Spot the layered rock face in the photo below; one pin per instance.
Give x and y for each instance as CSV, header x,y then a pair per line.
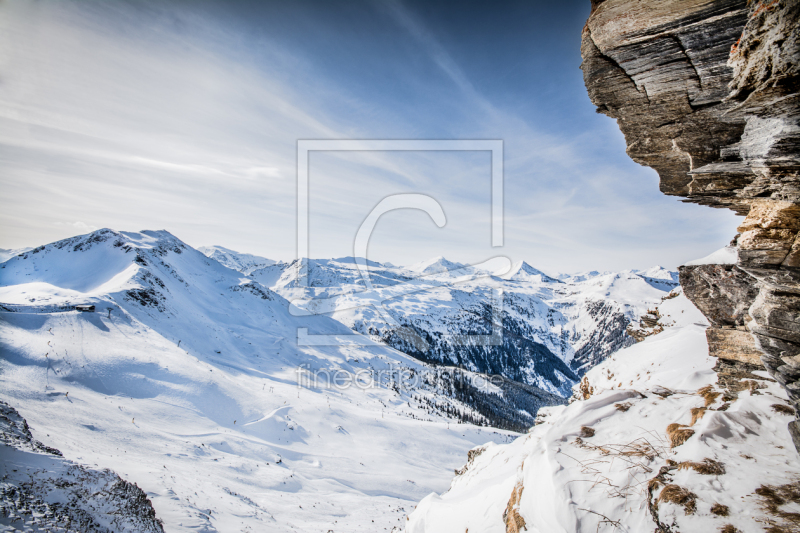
x,y
706,93
724,294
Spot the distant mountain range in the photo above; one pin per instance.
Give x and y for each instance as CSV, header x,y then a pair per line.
x,y
186,359
552,328
219,314
555,328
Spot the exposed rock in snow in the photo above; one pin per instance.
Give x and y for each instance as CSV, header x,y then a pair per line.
x,y
653,322
42,491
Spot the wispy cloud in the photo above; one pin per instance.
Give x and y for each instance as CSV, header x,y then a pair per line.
x,y
81,227
139,114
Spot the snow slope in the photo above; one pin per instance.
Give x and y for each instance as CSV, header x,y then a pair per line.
x,y
728,255
185,382
605,462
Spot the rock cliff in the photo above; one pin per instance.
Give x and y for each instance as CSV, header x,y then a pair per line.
x,y
706,93
42,491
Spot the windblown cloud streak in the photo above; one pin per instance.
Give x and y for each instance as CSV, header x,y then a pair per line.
x,y
140,115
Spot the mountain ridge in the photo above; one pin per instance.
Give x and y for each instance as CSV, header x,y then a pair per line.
x,y
239,261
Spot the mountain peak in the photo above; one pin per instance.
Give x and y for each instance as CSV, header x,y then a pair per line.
x,y
522,271
87,262
659,273
436,265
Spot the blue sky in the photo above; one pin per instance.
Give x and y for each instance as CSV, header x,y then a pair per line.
x,y
185,116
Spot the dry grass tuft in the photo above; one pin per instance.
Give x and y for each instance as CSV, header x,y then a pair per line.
x,y
709,467
728,528
782,409
773,498
639,448
513,520
623,406
663,392
697,414
780,529
753,386
709,394
779,495
729,396
587,432
679,496
637,458
720,510
678,434
585,389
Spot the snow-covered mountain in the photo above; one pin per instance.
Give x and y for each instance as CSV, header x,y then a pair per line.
x,y
6,254
522,271
659,272
244,263
188,380
437,265
553,330
660,277
334,275
581,276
